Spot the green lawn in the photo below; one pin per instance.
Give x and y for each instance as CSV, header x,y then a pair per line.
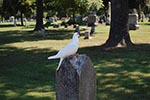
x,y
26,74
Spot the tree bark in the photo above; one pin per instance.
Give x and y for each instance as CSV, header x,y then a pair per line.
x,y
119,29
74,21
21,16
39,15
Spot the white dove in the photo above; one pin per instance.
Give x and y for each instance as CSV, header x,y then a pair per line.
x,y
70,49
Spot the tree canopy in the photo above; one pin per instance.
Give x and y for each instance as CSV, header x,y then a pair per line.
x,y
78,5
15,7
1,3
27,7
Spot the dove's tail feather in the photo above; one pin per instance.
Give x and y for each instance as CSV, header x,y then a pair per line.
x,y
61,59
53,57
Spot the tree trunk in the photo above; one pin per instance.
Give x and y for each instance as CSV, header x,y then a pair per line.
x,y
119,29
139,11
39,15
74,20
21,15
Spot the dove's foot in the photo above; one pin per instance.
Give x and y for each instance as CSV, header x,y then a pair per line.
x,y
74,55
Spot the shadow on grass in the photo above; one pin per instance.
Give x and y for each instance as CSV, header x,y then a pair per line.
x,y
6,25
26,74
122,73
21,36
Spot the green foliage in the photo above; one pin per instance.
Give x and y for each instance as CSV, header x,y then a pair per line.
x,y
147,2
26,7
95,4
1,3
9,8
145,5
78,6
49,6
15,7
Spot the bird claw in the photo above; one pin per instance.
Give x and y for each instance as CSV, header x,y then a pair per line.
x,y
74,55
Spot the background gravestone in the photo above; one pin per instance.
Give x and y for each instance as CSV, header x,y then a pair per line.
x,y
91,20
87,35
76,79
133,22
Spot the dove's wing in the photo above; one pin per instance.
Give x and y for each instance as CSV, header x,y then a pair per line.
x,y
70,49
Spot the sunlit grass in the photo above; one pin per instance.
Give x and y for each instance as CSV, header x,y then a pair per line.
x,y
26,74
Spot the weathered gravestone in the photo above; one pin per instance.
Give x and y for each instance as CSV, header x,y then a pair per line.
x,y
76,79
87,35
11,18
91,20
133,22
77,29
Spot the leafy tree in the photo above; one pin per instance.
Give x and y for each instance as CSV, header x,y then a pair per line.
x,y
17,7
25,8
119,24
95,4
68,6
50,7
147,7
148,3
1,3
140,6
73,7
9,8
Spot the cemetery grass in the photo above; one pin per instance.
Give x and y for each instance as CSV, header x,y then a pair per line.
x,y
123,73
